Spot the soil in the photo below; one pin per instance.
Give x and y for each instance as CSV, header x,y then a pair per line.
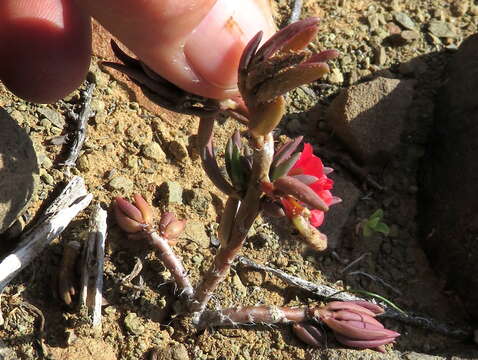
x,y
139,316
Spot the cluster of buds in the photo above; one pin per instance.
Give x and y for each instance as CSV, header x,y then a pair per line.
x,y
281,64
137,219
353,323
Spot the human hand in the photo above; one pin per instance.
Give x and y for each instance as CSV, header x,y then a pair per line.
x,y
45,45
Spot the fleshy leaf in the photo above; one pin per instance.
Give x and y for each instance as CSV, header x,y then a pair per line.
x,y
291,186
283,168
265,118
290,79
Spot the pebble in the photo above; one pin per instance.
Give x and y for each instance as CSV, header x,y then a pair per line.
x,y
171,192
336,76
53,116
153,151
441,29
198,199
121,183
83,164
133,324
196,232
47,178
380,57
459,7
178,149
404,20
239,286
409,35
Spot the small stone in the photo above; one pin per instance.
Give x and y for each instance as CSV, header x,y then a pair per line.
x,y
441,29
251,277
380,57
336,76
83,164
17,116
53,116
404,20
121,183
46,162
197,259
239,286
133,324
196,232
198,199
178,149
393,29
459,7
409,35
153,151
171,192
175,351
46,178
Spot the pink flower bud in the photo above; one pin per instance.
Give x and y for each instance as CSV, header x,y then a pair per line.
x,y
354,324
144,208
174,229
128,217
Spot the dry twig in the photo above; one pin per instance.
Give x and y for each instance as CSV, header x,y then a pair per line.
x,y
92,266
56,218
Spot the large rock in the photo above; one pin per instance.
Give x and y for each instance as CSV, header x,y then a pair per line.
x,y
18,170
337,216
450,182
369,117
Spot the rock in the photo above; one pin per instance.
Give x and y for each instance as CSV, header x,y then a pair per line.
x,y
178,148
175,351
133,324
18,170
409,36
459,7
441,29
171,192
380,55
153,151
336,77
121,183
239,286
404,20
53,116
449,201
338,214
369,117
196,232
198,199
420,356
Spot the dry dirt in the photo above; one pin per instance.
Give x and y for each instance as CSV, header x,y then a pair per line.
x,y
139,316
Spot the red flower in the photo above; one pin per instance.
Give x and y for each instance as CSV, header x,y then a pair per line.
x,y
309,164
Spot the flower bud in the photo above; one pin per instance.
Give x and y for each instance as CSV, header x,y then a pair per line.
x,y
308,334
174,229
128,216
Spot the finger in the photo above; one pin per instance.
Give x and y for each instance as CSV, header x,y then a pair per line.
x,y
194,44
45,48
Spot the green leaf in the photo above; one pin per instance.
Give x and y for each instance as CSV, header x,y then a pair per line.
x,y
366,230
237,172
382,228
283,168
378,214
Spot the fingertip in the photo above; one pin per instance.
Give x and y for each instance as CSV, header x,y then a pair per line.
x,y
45,47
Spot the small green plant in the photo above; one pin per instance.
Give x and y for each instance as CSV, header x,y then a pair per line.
x,y
374,224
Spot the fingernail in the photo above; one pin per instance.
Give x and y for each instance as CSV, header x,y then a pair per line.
x,y
214,48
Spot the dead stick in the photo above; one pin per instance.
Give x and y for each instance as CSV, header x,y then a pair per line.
x,y
81,128
92,265
246,214
330,293
58,215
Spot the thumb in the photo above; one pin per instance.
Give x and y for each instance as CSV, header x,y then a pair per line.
x,y
194,44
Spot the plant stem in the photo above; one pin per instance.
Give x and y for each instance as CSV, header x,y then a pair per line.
x,y
172,263
246,214
252,315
